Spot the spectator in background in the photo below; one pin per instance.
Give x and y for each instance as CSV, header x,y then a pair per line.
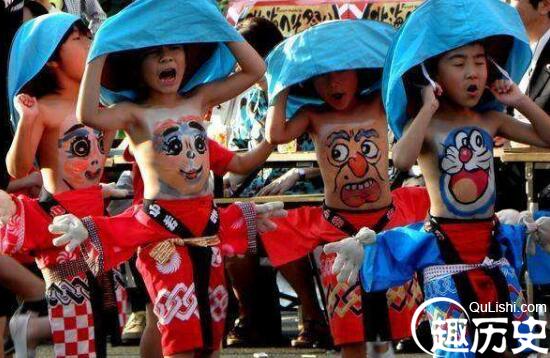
x,y
89,10
244,273
535,15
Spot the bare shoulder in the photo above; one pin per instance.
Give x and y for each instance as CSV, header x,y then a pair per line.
x,y
53,111
494,119
132,112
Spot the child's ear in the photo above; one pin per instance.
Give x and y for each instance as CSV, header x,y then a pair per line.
x,y
544,7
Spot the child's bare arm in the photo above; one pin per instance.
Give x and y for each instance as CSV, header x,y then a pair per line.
x,y
119,116
244,163
252,68
538,132
21,155
277,129
108,138
406,150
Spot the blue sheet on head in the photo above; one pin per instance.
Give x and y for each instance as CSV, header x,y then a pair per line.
x,y
327,47
148,23
438,26
33,45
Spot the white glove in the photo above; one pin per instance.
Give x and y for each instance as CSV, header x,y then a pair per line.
x,y
266,211
349,254
74,232
111,191
508,216
7,208
538,232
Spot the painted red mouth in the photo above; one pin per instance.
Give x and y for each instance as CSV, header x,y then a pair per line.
x,y
356,195
92,175
192,174
469,186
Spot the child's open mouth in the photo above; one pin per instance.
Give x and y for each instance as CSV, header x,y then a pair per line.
x,y
168,76
337,96
472,90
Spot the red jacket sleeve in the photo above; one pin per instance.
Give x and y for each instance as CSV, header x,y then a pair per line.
x,y
219,157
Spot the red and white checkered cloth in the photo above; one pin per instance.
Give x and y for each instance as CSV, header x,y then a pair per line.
x,y
73,330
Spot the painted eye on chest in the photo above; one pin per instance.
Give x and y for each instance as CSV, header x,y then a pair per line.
x,y
369,149
200,145
101,143
339,152
172,145
80,146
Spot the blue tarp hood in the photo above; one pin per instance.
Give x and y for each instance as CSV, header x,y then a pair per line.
x,y
149,23
438,26
328,47
33,45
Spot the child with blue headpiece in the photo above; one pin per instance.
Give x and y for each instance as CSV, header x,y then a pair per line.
x,y
325,81
46,65
159,66
451,68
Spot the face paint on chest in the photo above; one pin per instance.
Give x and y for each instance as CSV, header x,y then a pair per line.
x,y
184,158
352,156
467,176
82,154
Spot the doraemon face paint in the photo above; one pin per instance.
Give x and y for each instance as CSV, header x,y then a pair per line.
x,y
184,158
82,154
467,181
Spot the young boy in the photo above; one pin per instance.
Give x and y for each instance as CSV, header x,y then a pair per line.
x,y
45,68
180,231
350,136
452,136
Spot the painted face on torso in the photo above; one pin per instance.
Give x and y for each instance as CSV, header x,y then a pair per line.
x,y
81,154
353,158
461,180
180,154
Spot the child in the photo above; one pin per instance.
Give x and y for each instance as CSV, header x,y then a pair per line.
x,y
452,136
168,89
45,68
350,136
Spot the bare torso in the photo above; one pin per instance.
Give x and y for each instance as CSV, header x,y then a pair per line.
x,y
171,149
70,155
352,151
457,163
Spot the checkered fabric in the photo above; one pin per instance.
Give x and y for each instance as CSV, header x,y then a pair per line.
x,y
73,330
122,304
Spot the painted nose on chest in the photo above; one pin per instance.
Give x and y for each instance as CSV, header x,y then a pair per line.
x,y
465,154
358,165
